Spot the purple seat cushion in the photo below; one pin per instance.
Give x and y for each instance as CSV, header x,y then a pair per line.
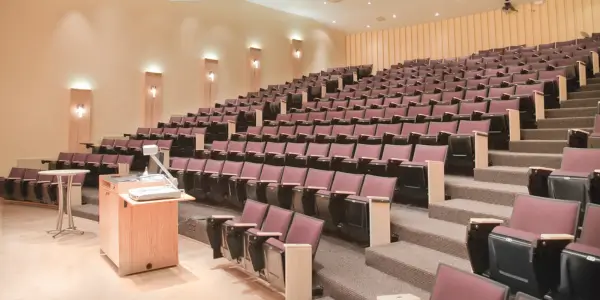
x,y
585,249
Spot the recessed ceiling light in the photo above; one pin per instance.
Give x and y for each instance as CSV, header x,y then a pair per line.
x,y
325,2
437,14
333,21
394,16
368,26
369,2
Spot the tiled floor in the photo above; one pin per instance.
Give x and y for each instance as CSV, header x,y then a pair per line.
x,y
35,266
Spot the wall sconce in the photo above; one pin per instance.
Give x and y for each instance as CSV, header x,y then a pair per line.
x,y
211,76
80,110
255,63
153,91
297,53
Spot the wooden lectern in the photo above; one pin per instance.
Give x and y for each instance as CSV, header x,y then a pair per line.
x,y
137,236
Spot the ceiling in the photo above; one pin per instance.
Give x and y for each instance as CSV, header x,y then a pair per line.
x,y
356,15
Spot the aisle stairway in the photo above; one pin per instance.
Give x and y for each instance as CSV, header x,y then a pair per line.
x,y
438,235
428,237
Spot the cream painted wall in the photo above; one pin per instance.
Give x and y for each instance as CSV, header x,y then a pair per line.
x,y
555,20
47,46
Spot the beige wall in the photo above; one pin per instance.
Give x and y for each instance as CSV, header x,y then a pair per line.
x,y
46,46
555,20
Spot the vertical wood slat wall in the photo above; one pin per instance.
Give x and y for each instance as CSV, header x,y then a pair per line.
x,y
555,20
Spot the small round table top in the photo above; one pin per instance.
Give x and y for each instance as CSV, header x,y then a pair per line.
x,y
67,172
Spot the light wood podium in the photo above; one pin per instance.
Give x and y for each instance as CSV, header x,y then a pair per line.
x,y
137,236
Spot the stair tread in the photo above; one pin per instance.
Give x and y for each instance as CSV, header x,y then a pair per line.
x,y
507,169
544,141
554,129
503,152
419,257
419,220
471,182
477,207
344,264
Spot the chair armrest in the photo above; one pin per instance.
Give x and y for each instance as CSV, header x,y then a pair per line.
x,y
579,130
343,193
246,178
226,217
378,199
542,168
485,221
272,234
480,133
290,184
315,188
396,160
556,236
267,181
244,225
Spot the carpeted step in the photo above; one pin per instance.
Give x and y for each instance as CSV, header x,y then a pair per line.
x,y
571,103
573,122
86,211
583,95
341,270
593,80
415,226
503,174
538,146
590,86
412,263
571,112
488,192
339,266
515,159
460,211
547,133
89,195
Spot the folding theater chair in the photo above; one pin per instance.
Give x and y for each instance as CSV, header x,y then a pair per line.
x,y
201,185
579,138
216,188
414,176
383,134
280,193
353,212
63,161
303,230
454,284
256,189
500,113
391,158
252,148
313,152
525,254
8,184
223,228
186,177
237,184
337,153
93,163
363,154
177,168
34,188
20,184
303,196
572,181
461,146
437,133
111,167
329,204
275,225
271,150
216,148
580,261
410,133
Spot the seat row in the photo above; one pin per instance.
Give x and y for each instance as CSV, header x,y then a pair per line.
x,y
97,164
131,147
579,138
539,251
27,185
324,194
410,164
257,240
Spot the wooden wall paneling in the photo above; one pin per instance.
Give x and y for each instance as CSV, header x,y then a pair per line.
x,y
561,23
506,39
420,40
370,50
353,50
596,15
478,35
386,48
348,50
427,40
408,43
524,11
514,35
363,40
451,38
536,25
569,12
499,25
492,33
545,29
403,45
588,16
579,18
414,34
380,50
471,33
464,36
